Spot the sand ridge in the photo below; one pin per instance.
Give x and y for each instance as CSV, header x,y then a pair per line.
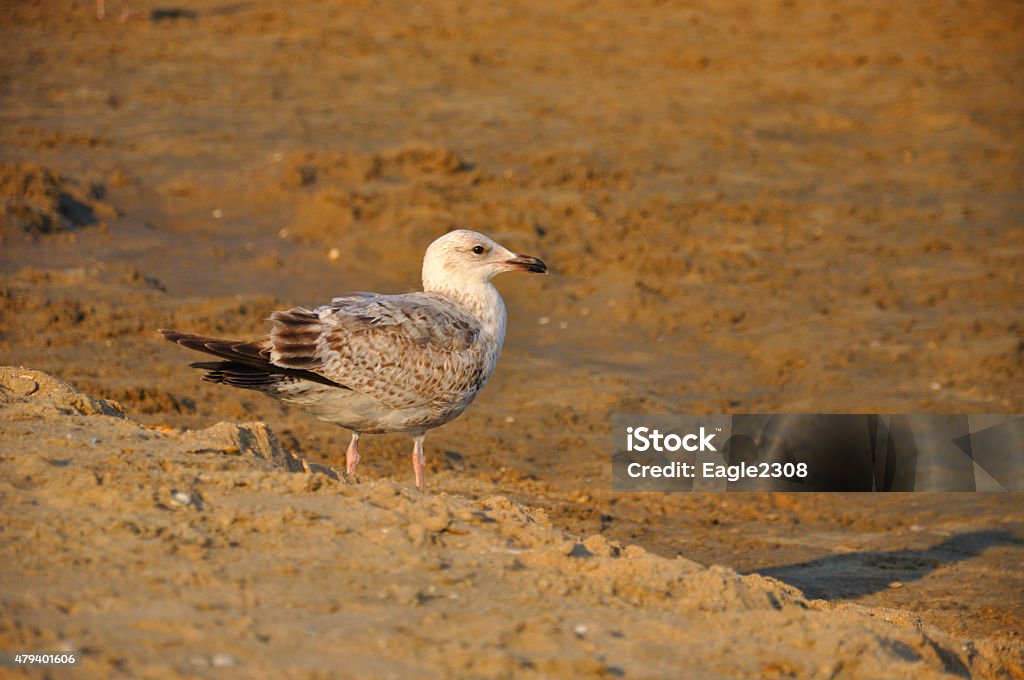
x,y
181,550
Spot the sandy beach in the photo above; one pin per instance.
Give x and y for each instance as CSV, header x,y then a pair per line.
x,y
745,207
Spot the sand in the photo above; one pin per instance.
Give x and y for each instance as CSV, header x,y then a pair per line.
x,y
180,552
745,207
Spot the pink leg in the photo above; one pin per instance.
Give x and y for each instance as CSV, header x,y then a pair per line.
x,y
125,12
418,460
100,9
352,454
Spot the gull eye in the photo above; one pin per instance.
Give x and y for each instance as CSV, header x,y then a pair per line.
x,y
479,250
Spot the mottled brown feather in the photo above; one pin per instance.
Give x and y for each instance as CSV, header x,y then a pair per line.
x,y
403,350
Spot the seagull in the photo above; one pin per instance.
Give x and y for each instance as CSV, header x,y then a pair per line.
x,y
377,363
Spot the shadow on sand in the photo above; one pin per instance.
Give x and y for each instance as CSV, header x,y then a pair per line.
x,y
852,575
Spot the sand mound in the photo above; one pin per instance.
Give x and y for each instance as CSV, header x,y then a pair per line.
x,y
36,200
156,553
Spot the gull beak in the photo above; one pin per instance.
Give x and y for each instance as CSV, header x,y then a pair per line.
x,y
525,263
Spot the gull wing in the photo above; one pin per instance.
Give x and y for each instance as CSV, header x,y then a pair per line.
x,y
245,364
403,350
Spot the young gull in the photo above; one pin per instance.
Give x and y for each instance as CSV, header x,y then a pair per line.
x,y
383,363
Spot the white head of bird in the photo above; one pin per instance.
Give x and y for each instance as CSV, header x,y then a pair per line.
x,y
462,260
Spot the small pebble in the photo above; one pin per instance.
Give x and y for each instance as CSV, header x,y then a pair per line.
x,y
544,320
333,254
580,629
223,660
218,213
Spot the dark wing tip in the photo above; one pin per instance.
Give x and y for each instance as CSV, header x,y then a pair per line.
x,y
189,340
175,336
247,363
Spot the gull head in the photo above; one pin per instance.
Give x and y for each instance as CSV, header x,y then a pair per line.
x,y
464,258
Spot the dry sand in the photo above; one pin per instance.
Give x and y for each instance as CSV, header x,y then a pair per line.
x,y
159,554
746,207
